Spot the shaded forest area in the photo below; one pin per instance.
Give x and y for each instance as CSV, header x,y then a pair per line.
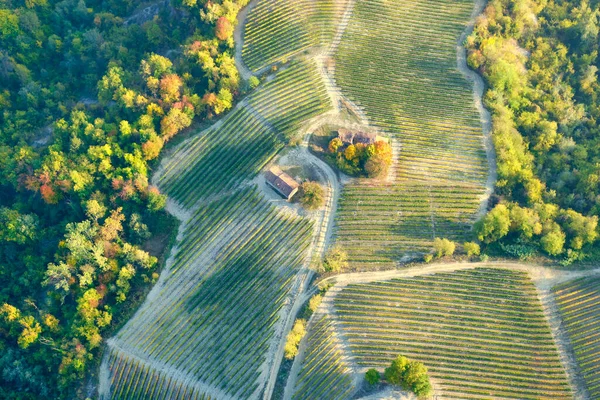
x,y
90,92
540,60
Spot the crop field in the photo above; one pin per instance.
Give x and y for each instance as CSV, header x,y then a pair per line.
x,y
207,327
212,318
279,29
223,157
324,374
481,332
402,218
411,89
579,304
132,379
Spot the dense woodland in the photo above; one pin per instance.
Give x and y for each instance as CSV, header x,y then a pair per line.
x,y
90,92
540,60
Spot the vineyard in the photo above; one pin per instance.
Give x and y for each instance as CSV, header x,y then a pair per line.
x,y
212,317
277,30
411,89
324,373
234,151
579,304
208,326
481,332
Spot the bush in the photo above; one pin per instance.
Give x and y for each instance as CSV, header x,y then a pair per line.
x,y
428,258
443,247
372,376
313,196
294,338
254,82
314,302
335,260
472,249
394,374
410,375
375,167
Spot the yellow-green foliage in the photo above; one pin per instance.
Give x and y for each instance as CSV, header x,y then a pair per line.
x,y
315,302
471,248
443,247
294,338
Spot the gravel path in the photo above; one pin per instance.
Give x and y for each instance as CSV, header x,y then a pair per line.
x,y
238,37
486,117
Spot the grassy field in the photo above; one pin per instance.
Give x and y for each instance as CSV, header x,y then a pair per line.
x,y
579,304
277,30
481,332
397,60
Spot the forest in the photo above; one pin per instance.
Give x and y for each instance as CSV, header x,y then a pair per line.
x,y
90,92
540,61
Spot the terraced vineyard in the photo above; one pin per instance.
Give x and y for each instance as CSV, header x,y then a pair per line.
x,y
402,219
579,304
279,29
481,332
397,60
212,318
207,328
324,374
225,156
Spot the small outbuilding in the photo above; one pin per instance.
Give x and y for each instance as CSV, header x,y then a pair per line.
x,y
349,137
281,182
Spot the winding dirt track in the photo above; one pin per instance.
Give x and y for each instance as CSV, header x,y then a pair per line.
x,y
486,117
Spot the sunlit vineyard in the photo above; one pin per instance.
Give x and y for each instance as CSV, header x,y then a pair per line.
x,y
208,325
482,332
324,373
223,157
579,304
411,89
212,318
279,29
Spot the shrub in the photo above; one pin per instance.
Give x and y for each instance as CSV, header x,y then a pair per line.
x,y
294,338
254,82
410,375
314,302
427,258
313,196
472,249
443,247
372,376
335,260
375,167
335,144
394,374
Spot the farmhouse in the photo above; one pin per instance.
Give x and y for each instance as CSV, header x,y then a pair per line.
x,y
354,137
283,184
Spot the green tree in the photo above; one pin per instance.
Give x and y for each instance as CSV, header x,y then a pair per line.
x,y
313,196
16,227
394,374
335,260
254,82
553,240
372,376
471,248
495,225
443,247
